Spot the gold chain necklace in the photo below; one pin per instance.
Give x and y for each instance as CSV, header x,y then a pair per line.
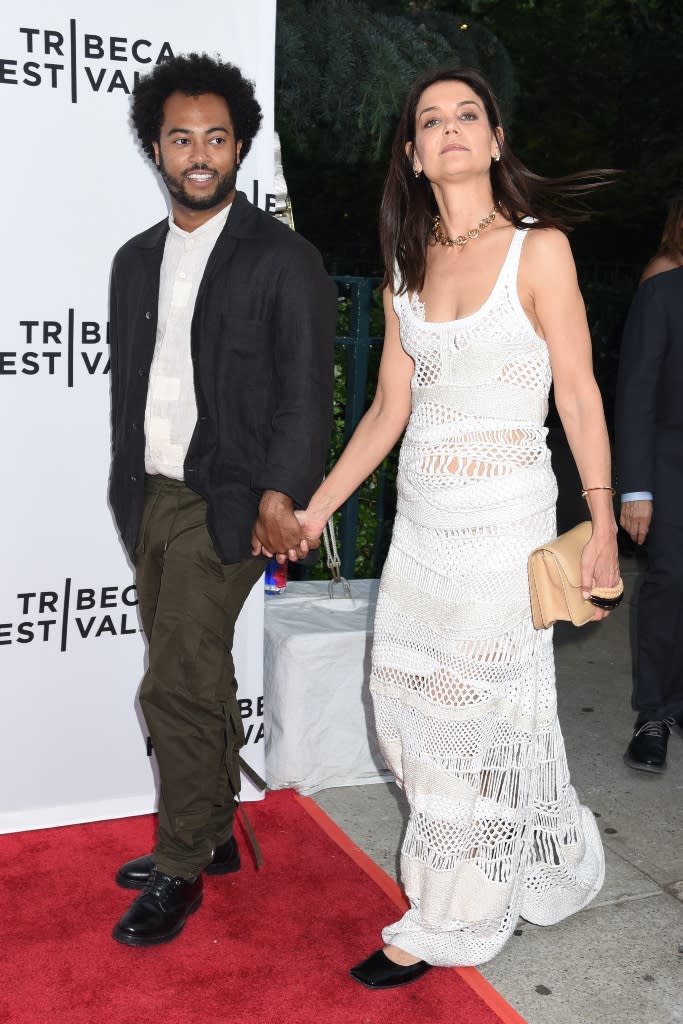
x,y
460,240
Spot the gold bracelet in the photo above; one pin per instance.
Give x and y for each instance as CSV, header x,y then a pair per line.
x,y
585,491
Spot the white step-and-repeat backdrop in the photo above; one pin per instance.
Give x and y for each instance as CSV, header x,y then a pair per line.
x,y
75,187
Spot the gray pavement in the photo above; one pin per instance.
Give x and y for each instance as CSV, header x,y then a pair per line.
x,y
618,961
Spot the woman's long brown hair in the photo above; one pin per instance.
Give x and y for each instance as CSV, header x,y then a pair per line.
x,y
408,206
671,243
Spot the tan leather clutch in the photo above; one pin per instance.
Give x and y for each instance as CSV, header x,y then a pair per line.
x,y
555,582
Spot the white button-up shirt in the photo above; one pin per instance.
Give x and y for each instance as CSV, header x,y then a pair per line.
x,y
171,412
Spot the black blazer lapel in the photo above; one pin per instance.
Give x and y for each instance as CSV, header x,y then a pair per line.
x,y
242,222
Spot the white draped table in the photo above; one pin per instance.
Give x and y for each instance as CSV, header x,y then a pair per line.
x,y
317,710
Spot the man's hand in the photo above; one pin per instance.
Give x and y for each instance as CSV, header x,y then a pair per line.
x,y
636,517
277,530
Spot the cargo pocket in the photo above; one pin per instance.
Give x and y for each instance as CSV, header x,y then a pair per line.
x,y
205,656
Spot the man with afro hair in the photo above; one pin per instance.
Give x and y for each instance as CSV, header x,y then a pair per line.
x,y
222,327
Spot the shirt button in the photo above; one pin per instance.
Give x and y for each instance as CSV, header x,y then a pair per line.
x,y
182,274
141,372
148,315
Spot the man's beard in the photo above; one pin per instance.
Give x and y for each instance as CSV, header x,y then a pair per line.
x,y
176,187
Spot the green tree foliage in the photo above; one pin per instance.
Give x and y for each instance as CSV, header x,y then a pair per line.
x,y
377,494
583,83
342,70
599,86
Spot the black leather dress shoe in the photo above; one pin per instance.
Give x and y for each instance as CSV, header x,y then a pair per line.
x,y
134,874
647,750
378,971
160,911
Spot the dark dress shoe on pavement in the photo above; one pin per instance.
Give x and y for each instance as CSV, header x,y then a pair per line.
x,y
378,971
160,911
134,874
647,750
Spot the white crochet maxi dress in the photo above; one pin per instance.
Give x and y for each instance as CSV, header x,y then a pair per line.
x,y
463,685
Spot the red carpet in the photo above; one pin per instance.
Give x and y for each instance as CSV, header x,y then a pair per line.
x,y
271,947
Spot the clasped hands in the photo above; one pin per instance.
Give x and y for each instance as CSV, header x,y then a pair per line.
x,y
282,532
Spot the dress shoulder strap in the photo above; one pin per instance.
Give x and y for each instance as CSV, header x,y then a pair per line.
x,y
510,267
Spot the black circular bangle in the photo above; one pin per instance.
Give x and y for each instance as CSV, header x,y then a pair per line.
x,y
606,603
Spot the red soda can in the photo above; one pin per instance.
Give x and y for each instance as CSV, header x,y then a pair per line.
x,y
275,579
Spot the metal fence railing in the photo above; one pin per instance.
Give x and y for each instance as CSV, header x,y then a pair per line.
x,y
356,344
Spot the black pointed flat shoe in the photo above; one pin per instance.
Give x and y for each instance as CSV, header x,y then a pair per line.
x,y
378,971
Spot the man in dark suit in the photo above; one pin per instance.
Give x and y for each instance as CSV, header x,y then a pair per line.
x,y
222,345
649,450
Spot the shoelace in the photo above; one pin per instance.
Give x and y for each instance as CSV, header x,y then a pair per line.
x,y
656,728
160,884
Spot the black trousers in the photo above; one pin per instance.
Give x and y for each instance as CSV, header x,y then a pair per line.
x,y
189,603
658,689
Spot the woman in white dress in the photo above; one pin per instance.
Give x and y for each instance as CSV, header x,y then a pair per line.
x,y
481,303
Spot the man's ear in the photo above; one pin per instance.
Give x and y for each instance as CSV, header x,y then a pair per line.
x,y
238,150
155,149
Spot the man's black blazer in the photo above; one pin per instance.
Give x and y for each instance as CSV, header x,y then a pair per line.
x,y
262,340
649,402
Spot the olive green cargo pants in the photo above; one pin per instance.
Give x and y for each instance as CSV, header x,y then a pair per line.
x,y
189,603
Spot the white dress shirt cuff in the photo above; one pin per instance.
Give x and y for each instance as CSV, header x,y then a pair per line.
x,y
637,496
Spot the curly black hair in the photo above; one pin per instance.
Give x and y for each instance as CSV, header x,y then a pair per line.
x,y
194,74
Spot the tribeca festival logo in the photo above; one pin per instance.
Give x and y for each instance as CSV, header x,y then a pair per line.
x,y
63,348
74,614
79,60
251,712
71,615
